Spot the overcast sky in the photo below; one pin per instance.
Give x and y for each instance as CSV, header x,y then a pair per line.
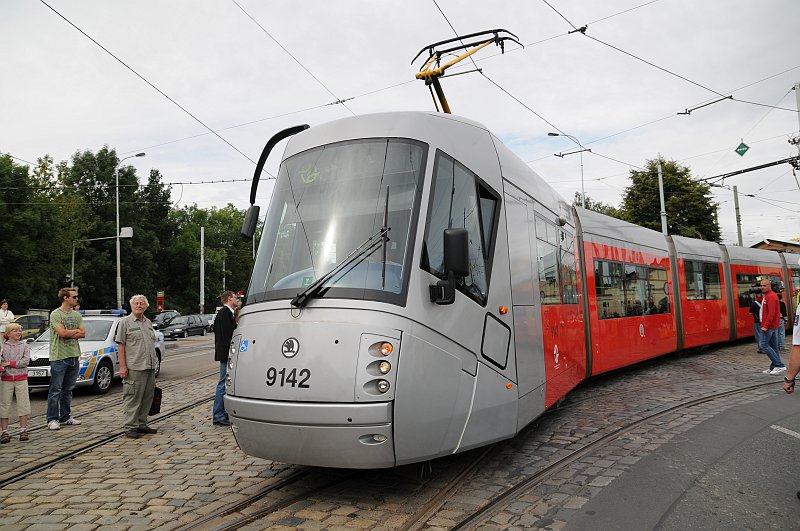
x,y
247,69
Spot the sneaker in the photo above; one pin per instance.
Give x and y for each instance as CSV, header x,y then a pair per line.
x,y
53,425
767,371
5,438
23,436
147,430
778,370
71,422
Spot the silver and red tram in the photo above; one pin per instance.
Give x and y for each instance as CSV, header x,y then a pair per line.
x,y
420,291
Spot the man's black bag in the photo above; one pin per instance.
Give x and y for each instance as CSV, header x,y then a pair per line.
x,y
155,407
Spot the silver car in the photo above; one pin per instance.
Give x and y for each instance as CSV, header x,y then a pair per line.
x,y
99,363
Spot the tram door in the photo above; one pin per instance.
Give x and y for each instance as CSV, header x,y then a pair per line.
x,y
525,304
562,315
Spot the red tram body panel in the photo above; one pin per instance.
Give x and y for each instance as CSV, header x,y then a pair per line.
x,y
564,350
624,328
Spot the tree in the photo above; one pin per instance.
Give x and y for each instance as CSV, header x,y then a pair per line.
x,y
223,246
33,214
597,206
689,206
93,178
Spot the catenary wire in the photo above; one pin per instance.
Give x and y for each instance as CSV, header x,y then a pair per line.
x,y
137,74
296,60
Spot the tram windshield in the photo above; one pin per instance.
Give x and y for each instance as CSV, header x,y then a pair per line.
x,y
327,202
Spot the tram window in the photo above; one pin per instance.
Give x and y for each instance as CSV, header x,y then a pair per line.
x,y
634,289
569,283
547,255
567,273
743,284
630,290
711,281
694,280
610,289
460,200
702,280
795,279
657,291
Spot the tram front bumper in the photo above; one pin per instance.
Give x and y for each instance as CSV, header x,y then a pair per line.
x,y
315,434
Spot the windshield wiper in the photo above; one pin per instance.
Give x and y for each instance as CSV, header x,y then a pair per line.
x,y
358,254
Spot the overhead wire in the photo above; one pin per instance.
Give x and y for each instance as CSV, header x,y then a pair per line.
x,y
295,59
140,76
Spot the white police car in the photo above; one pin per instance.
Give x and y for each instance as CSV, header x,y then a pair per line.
x,y
99,363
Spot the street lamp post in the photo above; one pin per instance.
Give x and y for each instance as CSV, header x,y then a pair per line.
x,y
562,155
126,232
119,268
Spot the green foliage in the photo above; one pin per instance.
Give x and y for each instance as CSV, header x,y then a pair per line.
x,y
598,206
223,247
688,203
46,209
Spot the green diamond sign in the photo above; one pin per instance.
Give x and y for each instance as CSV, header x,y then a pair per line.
x,y
741,149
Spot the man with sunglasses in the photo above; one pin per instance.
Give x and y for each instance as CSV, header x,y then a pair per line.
x,y
66,328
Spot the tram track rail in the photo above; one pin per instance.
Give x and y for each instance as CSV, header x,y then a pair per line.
x,y
217,521
171,385
518,489
41,466
435,504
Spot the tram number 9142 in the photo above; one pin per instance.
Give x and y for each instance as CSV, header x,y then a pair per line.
x,y
283,378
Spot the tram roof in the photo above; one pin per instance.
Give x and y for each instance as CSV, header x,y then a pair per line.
x,y
599,227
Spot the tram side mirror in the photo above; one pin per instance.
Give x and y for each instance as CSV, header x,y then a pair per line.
x,y
250,221
456,265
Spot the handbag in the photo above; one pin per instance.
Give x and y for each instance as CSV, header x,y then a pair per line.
x,y
155,405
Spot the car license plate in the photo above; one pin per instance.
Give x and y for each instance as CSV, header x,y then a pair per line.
x,y
37,372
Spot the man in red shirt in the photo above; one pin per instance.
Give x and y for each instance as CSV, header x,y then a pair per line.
x,y
770,326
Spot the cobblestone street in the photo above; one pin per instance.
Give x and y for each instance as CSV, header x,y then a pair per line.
x,y
190,468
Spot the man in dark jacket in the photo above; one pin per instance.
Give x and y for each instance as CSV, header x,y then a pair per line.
x,y
224,324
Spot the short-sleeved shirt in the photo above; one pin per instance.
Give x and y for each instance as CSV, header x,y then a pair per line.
x,y
62,348
139,339
796,334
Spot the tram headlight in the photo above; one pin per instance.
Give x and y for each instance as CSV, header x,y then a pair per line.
x,y
384,367
385,348
383,386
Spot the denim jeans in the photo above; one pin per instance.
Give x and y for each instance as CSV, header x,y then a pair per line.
x,y
757,334
63,374
219,413
769,344
782,334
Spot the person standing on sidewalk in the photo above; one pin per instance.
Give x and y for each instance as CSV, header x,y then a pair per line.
x,y
14,361
66,328
136,341
6,318
770,324
224,325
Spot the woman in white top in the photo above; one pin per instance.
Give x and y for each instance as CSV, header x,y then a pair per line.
x,y
6,318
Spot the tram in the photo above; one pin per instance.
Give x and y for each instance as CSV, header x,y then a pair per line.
x,y
420,291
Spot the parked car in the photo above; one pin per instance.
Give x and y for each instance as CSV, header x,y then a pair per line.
x,y
98,362
209,318
185,326
162,319
32,325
